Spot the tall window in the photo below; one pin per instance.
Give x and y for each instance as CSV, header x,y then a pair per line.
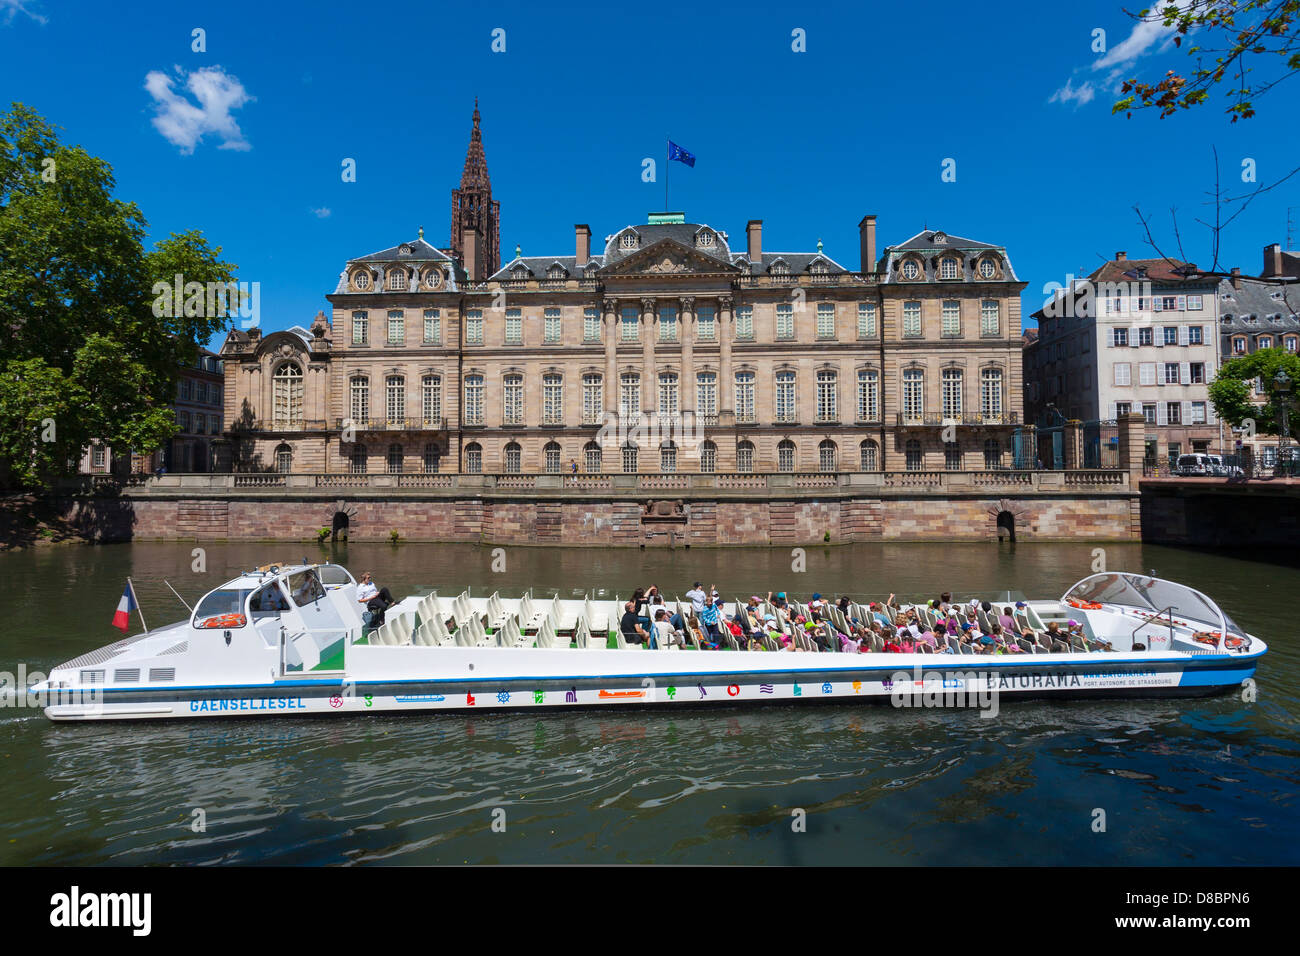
x,y
552,399
992,454
912,456
951,318
785,321
785,396
952,393
397,280
590,325
283,459
431,399
745,456
990,323
360,328
628,324
473,458
360,403
474,400
514,326
913,394
866,320
591,452
869,454
991,392
745,322
432,327
745,397
394,405
397,327
287,394
513,400
667,457
432,458
552,455
706,323
827,456
706,395
948,269
667,393
394,459
952,456
667,323
551,325
474,327
828,406
629,395
825,320
629,459
708,457
868,395
514,458
785,455
593,399
357,462
912,318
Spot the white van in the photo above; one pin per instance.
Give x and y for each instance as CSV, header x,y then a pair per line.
x,y
1196,466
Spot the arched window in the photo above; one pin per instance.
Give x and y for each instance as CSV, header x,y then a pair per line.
x,y
474,400
514,458
708,457
552,454
432,458
952,456
357,462
629,459
987,268
431,399
360,400
992,454
473,458
591,454
667,457
912,454
397,280
284,459
513,400
870,457
395,399
394,461
948,268
785,455
745,456
827,456
287,396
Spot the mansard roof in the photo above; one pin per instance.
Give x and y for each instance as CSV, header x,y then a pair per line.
x,y
938,239
681,232
538,266
929,243
1262,300
417,251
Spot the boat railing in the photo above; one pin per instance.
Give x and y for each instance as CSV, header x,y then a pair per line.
x,y
1152,620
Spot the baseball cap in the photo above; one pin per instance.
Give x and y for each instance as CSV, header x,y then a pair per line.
x,y
781,595
816,596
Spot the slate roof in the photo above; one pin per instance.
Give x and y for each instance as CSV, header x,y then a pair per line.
x,y
683,232
1262,300
1152,270
927,241
417,251
538,266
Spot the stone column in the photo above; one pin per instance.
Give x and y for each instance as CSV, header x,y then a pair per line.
x,y
610,309
1132,444
1072,444
726,379
687,385
649,381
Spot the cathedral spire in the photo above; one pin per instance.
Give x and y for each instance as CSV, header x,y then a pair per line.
x,y
472,207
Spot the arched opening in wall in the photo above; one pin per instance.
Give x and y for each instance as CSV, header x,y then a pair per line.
x,y
1007,523
339,526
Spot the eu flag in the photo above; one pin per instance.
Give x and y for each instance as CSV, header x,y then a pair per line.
x,y
679,154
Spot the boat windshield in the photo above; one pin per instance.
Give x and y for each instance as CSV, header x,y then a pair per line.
x,y
1150,594
222,601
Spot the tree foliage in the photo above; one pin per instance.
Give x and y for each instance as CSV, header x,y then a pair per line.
x,y
80,340
1233,387
1230,35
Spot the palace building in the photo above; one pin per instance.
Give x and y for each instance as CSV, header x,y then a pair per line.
x,y
668,347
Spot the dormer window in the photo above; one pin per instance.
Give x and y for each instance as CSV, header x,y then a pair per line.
x,y
555,272
940,238
361,280
629,240
397,280
780,269
519,273
433,279
705,240
948,268
911,270
818,268
987,268
404,249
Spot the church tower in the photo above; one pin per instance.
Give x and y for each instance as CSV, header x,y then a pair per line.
x,y
473,208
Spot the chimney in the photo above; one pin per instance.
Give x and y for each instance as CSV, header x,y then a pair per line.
x,y
754,230
1236,277
582,251
1272,261
867,241
470,245
1121,256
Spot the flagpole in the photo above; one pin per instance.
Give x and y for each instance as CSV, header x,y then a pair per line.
x,y
138,609
668,163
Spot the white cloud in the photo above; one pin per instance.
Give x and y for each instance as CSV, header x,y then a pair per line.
x,y
11,9
322,213
182,123
1085,92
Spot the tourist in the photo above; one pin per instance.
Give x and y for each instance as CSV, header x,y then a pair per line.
x,y
1006,620
631,627
573,465
778,601
709,618
665,636
696,596
375,599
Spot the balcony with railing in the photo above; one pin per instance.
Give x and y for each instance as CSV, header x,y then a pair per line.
x,y
935,420
392,425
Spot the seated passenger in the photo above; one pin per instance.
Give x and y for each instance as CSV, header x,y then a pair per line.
x,y
375,599
631,627
1006,620
665,637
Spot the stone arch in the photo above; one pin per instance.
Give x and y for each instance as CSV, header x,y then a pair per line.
x,y
1005,516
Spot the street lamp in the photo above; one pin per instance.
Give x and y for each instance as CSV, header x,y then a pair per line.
x,y
1282,395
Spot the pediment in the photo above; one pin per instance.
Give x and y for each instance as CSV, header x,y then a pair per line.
x,y
668,257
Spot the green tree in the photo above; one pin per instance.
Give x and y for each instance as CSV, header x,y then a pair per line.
x,y
1233,386
1230,35
81,339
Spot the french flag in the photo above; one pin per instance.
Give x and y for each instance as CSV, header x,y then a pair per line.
x,y
122,617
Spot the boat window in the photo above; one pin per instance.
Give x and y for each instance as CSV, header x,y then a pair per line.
x,y
268,599
222,601
1151,595
332,575
305,587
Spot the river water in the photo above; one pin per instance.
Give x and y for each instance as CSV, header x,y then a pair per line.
x,y
1210,782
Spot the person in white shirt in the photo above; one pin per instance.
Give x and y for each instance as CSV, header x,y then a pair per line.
x,y
375,600
696,596
665,636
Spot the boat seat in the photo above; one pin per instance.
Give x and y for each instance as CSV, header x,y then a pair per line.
x,y
1060,647
966,649
620,640
1027,647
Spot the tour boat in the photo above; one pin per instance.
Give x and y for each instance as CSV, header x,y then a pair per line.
x,y
290,640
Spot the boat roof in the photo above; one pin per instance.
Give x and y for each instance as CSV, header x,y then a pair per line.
x,y
1149,593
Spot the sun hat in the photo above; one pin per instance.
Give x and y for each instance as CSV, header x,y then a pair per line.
x,y
769,617
781,595
816,596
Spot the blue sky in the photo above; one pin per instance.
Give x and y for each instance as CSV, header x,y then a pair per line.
x,y
245,141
